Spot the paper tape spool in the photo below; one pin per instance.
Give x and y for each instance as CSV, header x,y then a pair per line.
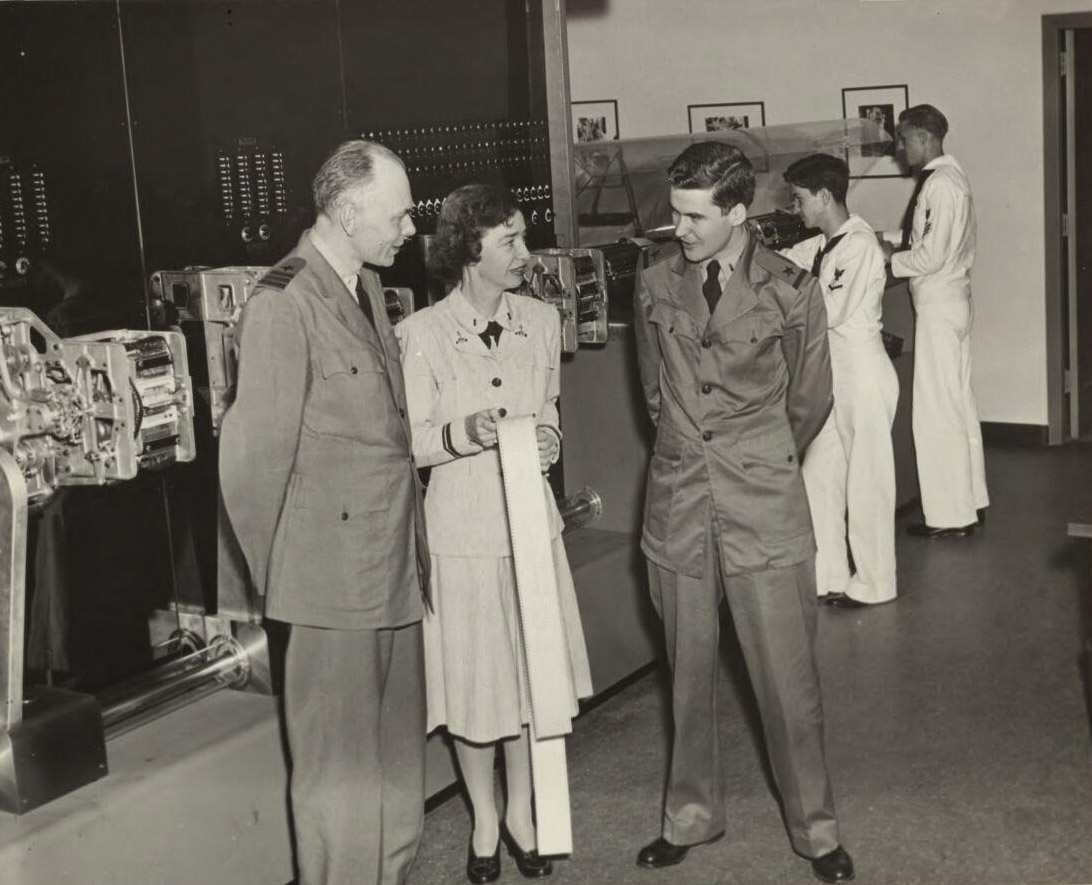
x,y
545,653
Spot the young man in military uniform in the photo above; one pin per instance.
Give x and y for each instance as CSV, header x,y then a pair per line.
x,y
734,361
935,251
850,465
324,497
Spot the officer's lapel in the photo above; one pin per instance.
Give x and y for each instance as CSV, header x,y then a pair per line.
x,y
352,315
739,296
467,326
339,300
468,342
685,290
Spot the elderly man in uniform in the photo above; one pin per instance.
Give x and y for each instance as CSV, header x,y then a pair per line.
x,y
732,347
851,464
935,250
324,498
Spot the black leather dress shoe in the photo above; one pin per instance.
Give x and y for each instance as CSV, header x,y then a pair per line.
x,y
981,514
529,864
662,853
834,867
841,600
480,870
921,530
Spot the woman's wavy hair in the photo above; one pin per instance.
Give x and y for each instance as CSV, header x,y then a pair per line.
x,y
467,213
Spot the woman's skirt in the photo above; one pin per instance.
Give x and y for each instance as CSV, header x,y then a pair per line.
x,y
474,668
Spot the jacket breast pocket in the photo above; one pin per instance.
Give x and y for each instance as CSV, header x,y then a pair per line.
x,y
346,365
678,334
349,392
535,369
752,351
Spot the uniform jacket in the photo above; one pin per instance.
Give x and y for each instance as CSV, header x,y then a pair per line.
x,y
852,278
736,398
315,462
451,373
942,239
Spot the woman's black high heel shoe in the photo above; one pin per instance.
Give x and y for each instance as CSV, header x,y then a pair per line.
x,y
530,865
480,870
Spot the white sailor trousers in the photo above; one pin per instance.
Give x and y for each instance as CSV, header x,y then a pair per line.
x,y
947,435
849,473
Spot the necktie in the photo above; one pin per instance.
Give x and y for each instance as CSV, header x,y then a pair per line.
x,y
817,265
908,216
492,333
364,301
711,287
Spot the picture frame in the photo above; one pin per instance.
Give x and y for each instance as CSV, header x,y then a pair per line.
x,y
882,104
595,120
726,115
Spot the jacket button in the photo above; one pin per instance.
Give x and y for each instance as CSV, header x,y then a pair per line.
x,y
707,435
707,388
344,515
401,412
502,411
789,459
706,343
353,370
496,382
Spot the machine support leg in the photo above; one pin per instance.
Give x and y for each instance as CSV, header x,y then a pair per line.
x,y
13,548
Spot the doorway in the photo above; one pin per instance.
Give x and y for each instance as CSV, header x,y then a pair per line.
x,y
1067,128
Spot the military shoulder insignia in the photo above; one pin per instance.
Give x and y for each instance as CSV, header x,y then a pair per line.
x,y
781,267
838,271
280,276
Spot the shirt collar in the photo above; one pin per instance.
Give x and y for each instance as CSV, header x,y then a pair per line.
x,y
851,223
323,249
468,317
728,262
942,160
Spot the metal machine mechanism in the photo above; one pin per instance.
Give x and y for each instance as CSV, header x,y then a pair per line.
x,y
575,282
623,262
780,229
89,410
208,302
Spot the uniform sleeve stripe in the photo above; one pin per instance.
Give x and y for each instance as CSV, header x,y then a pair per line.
x,y
445,437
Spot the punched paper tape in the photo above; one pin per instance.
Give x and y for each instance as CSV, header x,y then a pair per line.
x,y
544,649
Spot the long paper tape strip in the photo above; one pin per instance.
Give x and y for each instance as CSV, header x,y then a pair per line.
x,y
545,653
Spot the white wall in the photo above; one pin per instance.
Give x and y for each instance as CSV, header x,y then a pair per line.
x,y
979,61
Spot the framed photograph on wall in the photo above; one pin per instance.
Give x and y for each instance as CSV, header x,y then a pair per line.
x,y
595,120
882,105
728,115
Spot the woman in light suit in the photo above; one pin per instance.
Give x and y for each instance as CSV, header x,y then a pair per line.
x,y
482,353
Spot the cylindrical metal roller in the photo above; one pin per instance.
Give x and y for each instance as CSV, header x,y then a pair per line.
x,y
223,663
581,508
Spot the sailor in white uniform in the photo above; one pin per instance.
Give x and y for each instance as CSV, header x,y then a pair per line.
x,y
850,464
935,250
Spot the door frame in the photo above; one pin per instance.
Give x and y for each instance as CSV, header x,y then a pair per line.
x,y
1054,181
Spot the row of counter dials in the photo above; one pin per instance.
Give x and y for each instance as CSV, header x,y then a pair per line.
x,y
438,158
253,187
25,229
252,184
